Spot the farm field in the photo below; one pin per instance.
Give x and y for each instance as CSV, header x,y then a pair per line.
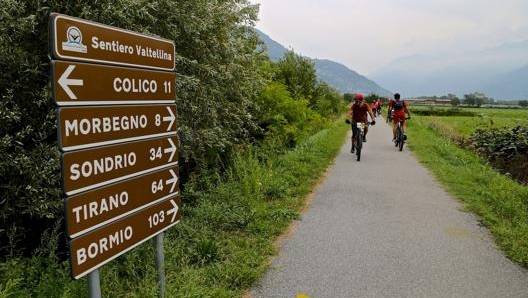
x,y
481,118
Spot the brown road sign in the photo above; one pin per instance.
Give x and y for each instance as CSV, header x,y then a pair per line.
x,y
94,126
95,167
94,249
92,209
76,83
83,40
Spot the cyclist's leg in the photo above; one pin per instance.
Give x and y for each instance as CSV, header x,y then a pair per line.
x,y
404,129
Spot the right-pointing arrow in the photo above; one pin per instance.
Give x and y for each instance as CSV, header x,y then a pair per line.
x,y
172,181
170,118
65,82
171,149
173,211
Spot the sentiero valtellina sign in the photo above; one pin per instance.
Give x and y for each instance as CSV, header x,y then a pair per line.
x,y
115,96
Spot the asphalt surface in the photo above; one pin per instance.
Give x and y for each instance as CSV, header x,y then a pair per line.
x,y
383,227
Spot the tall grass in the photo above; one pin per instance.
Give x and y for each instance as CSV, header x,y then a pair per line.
x,y
224,241
500,202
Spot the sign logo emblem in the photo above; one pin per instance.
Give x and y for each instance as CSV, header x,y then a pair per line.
x,y
74,43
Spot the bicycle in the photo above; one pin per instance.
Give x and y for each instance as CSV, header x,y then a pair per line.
x,y
358,140
400,136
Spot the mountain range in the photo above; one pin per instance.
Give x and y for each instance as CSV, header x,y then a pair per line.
x,y
500,72
333,73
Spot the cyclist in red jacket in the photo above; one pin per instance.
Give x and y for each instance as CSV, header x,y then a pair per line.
x,y
358,112
398,108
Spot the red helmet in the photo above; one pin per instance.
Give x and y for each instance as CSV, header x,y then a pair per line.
x,y
358,96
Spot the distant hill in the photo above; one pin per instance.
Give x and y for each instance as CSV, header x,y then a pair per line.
x,y
499,72
511,85
333,73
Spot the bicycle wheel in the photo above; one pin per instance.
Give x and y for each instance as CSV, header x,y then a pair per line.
x,y
359,145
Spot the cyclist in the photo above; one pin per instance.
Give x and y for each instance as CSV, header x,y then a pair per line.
x,y
398,108
378,106
374,108
358,112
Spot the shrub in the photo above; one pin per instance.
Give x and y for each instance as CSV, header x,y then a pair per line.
x,y
434,111
505,149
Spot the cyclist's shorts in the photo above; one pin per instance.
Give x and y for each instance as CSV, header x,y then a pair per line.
x,y
397,117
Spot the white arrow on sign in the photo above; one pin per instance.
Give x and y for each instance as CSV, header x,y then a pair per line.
x,y
65,82
170,118
172,181
171,149
173,211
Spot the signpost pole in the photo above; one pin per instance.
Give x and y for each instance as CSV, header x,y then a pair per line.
x,y
94,286
160,261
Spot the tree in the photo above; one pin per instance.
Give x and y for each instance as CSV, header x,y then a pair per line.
x,y
523,103
371,98
348,97
298,75
475,99
469,99
327,100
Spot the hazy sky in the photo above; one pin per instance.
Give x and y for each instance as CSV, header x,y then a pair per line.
x,y
366,35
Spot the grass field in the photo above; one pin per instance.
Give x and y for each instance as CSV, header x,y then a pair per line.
x,y
484,118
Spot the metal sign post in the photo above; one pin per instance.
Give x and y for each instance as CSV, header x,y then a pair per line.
x,y
160,263
94,285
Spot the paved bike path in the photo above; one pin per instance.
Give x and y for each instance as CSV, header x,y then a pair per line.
x,y
383,227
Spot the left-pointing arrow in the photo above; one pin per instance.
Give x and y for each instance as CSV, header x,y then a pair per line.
x,y
66,82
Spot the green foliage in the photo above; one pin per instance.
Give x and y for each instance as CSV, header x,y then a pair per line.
x,y
371,98
506,149
30,200
327,101
285,121
442,111
348,97
294,104
220,78
205,251
455,101
297,73
476,99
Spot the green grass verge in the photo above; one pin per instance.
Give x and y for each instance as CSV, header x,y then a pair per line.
x,y
224,242
501,203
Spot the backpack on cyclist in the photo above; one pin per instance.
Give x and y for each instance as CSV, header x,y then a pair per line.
x,y
397,105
